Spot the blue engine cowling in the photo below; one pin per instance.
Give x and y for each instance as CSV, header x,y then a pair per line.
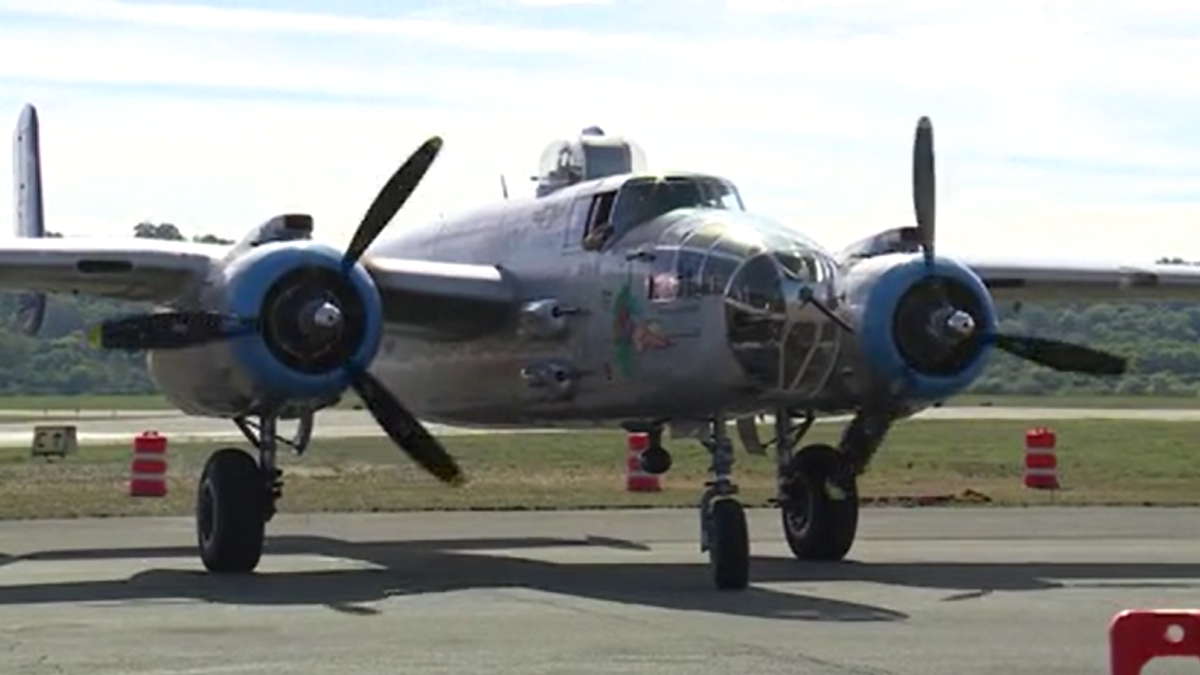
x,y
893,300
279,365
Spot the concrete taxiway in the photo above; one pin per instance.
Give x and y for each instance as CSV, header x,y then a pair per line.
x,y
930,592
120,425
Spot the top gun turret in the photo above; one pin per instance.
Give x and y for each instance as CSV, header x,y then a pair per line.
x,y
591,155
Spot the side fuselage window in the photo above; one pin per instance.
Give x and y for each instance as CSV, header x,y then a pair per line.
x,y
599,222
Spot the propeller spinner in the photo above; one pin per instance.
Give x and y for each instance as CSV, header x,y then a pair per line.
x,y
954,324
175,330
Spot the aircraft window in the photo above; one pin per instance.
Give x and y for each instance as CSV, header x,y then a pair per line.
x,y
606,160
703,237
688,265
721,194
798,258
756,286
739,243
801,266
718,270
664,281
643,199
599,221
676,233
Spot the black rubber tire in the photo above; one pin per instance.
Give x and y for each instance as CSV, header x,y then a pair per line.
x,y
818,526
230,512
729,545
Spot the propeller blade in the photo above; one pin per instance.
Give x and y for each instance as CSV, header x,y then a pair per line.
x,y
924,187
391,198
1062,356
168,330
405,431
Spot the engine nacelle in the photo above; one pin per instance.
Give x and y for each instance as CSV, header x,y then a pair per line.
x,y
284,365
894,300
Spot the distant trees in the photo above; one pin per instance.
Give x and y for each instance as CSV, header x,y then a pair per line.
x,y
148,230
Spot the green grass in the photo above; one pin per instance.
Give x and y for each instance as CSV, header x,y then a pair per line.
x,y
1101,461
115,402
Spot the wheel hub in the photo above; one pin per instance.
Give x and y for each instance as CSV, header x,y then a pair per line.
x,y
799,506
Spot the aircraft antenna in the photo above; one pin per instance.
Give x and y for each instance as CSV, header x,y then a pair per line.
x,y
503,186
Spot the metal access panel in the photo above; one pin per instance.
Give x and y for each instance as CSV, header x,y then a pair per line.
x,y
54,441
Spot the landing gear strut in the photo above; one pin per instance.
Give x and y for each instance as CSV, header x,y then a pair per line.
x,y
723,532
818,485
236,497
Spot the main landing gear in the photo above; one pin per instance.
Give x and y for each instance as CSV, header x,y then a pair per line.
x,y
818,485
236,497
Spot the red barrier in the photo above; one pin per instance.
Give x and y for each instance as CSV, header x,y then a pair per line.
x,y
1041,463
148,470
1138,636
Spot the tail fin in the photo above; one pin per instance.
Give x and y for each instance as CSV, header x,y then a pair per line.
x,y
27,203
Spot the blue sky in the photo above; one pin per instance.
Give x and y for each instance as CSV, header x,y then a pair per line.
x,y
1072,127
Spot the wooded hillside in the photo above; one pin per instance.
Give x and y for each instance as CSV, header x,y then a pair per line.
x,y
1161,337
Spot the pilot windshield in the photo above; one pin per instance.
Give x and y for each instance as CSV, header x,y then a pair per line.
x,y
643,199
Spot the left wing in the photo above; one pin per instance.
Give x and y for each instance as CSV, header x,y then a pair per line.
x,y
1028,279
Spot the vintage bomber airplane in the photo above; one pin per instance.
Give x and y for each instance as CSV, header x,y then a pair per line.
x,y
611,296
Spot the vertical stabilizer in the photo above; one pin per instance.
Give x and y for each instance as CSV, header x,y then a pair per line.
x,y
27,204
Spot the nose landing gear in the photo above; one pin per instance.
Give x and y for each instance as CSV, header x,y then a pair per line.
x,y
723,531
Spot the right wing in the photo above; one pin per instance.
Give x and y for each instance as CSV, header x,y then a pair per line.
x,y
444,301
433,300
128,268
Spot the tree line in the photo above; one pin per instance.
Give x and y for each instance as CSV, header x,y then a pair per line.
x,y
1162,339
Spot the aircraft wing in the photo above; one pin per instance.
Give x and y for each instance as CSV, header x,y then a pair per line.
x,y
443,301
1018,279
128,268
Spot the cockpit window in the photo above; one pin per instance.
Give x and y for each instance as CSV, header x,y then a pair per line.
x,y
645,198
719,194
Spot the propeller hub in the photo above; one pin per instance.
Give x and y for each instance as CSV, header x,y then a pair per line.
x,y
935,326
325,315
314,320
960,324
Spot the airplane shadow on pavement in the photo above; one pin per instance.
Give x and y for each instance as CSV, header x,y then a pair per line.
x,y
422,567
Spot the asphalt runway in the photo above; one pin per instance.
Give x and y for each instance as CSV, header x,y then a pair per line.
x,y
930,592
121,425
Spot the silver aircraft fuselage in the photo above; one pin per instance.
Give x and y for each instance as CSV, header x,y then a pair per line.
x,y
682,311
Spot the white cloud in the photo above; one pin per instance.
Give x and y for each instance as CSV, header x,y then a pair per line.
x,y
813,123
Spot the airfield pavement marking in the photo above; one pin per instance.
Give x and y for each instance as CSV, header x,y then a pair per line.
x,y
931,592
121,425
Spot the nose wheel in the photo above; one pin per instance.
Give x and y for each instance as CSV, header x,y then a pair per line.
x,y
728,541
723,531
